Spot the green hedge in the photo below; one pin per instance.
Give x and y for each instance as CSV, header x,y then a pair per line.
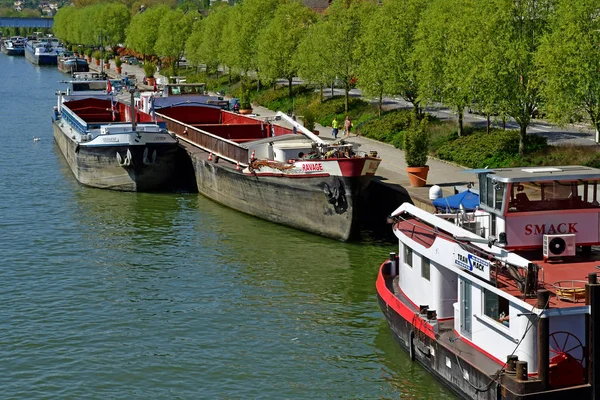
x,y
389,128
279,99
499,148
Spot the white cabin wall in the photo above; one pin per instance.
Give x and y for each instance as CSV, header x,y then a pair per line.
x,y
416,288
445,286
500,340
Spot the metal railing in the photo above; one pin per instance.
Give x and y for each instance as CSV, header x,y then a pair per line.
x,y
223,148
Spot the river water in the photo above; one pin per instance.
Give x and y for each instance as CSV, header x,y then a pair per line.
x,y
171,296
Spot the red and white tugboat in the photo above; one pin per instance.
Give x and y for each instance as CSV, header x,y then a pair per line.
x,y
503,302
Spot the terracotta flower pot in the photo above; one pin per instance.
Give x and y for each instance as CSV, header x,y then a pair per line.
x,y
151,81
118,69
417,175
246,111
97,61
106,65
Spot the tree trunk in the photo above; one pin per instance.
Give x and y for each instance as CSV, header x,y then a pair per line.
x,y
380,103
487,123
290,87
416,111
460,122
597,125
321,88
522,134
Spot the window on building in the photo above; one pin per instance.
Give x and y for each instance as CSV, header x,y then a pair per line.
x,y
496,307
408,256
425,268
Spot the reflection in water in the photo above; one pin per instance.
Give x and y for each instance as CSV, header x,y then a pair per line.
x,y
407,378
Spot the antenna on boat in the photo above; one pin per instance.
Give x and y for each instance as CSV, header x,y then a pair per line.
x,y
133,113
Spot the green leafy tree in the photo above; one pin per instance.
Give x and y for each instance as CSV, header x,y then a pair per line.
x,y
520,26
278,42
387,65
203,46
569,60
490,89
142,33
443,53
340,33
311,66
115,18
228,50
174,29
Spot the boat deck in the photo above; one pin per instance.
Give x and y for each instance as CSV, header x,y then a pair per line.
x,y
565,278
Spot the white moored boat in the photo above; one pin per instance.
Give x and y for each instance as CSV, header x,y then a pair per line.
x,y
503,302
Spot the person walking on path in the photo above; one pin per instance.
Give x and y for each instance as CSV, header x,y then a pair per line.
x,y
347,126
335,126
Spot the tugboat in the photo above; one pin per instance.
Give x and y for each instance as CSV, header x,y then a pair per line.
x,y
108,144
503,302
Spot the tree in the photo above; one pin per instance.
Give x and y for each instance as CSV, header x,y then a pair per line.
x,y
115,18
490,88
142,33
278,42
569,61
174,29
443,54
241,46
340,36
387,65
228,47
520,27
312,67
204,43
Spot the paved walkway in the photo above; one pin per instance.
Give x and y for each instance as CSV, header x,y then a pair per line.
x,y
391,172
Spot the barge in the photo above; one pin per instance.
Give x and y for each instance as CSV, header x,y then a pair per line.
x,y
287,175
503,302
14,46
107,145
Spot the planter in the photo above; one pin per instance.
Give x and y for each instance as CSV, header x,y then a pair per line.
x,y
89,59
316,132
417,175
246,111
150,81
97,62
118,69
106,65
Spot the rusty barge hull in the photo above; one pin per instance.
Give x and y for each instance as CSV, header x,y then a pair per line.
x,y
99,167
325,205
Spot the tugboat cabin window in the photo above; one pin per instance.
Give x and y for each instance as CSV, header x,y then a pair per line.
x,y
496,307
425,268
408,256
553,196
492,192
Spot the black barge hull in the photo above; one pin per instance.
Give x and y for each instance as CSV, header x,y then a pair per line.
x,y
326,206
99,167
